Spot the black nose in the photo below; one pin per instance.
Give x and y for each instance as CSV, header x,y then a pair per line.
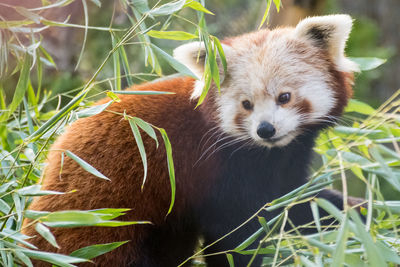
x,y
265,130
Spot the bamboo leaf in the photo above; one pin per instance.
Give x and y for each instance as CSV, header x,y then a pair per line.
x,y
140,145
46,234
197,6
93,110
142,93
339,254
20,255
21,87
147,128
171,168
94,251
168,8
173,62
34,190
85,165
373,255
266,13
368,63
229,257
172,35
359,107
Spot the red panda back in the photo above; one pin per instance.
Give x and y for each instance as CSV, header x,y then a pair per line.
x,y
106,142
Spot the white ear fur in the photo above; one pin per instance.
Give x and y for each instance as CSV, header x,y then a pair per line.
x,y
192,55
330,32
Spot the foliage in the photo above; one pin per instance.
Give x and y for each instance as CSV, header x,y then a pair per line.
x,y
363,145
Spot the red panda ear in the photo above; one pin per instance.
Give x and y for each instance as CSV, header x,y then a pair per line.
x,y
192,55
330,33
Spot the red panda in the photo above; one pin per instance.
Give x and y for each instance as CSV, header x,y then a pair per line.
x,y
243,147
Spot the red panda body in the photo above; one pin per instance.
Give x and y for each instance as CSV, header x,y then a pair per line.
x,y
226,168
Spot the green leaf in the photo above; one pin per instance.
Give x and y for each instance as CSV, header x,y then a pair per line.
x,y
73,218
221,54
147,128
85,165
373,255
172,35
20,255
28,14
33,214
96,2
388,253
316,217
142,93
393,206
338,255
173,62
229,257
34,190
356,131
113,96
57,259
197,6
116,64
93,110
168,8
21,87
368,63
389,174
266,14
359,107
141,5
86,16
277,4
140,145
46,234
14,23
171,168
57,117
94,251
263,223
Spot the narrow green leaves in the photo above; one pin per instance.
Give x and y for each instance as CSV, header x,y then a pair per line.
x,y
359,107
171,35
197,6
368,63
167,8
173,62
374,257
229,257
77,218
339,254
141,93
46,234
21,87
147,128
172,7
139,142
94,251
85,165
171,168
93,110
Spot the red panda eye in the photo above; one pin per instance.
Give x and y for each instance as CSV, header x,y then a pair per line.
x,y
283,98
247,105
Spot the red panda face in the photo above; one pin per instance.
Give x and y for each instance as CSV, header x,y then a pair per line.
x,y
280,82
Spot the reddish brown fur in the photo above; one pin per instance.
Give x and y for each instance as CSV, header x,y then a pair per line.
x,y
304,106
107,143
